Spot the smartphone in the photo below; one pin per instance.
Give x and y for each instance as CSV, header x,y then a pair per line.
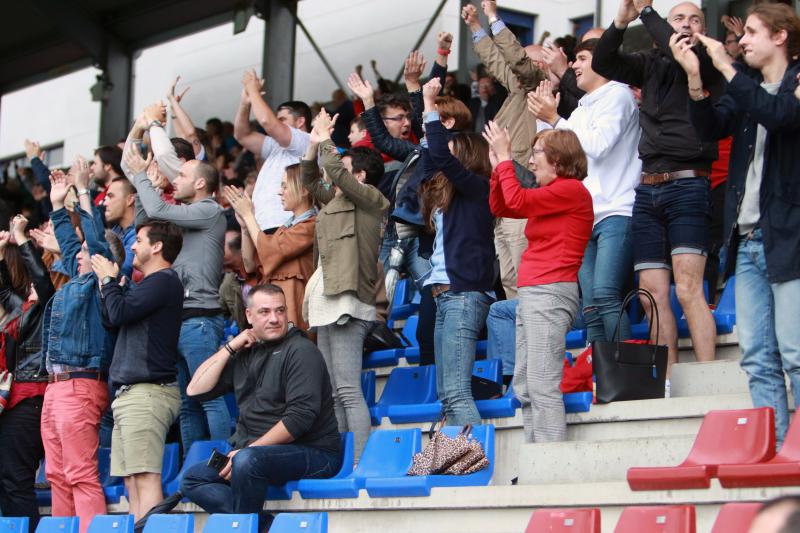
x,y
217,461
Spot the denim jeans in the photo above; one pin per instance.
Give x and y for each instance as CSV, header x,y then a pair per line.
x,y
460,316
254,469
417,267
607,264
766,317
502,340
199,340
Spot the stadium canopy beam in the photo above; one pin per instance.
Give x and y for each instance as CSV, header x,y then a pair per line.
x,y
422,37
279,46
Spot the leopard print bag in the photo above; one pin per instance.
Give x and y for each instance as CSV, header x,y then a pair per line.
x,y
441,452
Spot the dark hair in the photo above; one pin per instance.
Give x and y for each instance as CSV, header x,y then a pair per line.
x,y
392,100
263,288
111,155
209,173
588,45
183,148
369,160
235,244
359,122
214,125
117,248
168,234
777,17
20,278
472,150
563,150
298,109
127,185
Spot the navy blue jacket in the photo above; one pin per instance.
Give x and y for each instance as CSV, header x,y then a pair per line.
x,y
742,108
468,223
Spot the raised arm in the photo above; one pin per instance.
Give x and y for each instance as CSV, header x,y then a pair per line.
x,y
396,148
364,196
41,173
9,300
263,112
40,277
608,61
523,66
184,127
251,140
487,50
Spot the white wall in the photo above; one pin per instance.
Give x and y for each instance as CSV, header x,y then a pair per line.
x,y
55,111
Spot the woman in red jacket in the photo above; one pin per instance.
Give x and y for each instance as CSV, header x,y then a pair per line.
x,y
560,217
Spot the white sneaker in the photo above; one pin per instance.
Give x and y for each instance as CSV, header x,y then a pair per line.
x,y
667,389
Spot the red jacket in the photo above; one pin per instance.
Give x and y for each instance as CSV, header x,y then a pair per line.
x,y
560,218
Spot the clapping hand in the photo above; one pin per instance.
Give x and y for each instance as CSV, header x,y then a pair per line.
x,y
733,24
414,67
499,141
626,13
32,149
252,83
323,126
156,112
429,93
470,15
80,172
18,225
556,59
241,204
59,188
542,103
133,159
46,239
171,96
103,267
362,89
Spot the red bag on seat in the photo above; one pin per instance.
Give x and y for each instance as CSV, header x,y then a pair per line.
x,y
578,377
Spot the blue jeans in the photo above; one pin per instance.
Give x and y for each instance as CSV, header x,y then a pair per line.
x,y
766,317
254,469
607,265
415,266
502,329
199,340
460,316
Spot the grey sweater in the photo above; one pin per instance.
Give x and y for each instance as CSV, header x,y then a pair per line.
x,y
199,265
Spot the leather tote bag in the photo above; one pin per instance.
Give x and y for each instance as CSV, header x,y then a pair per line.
x,y
628,371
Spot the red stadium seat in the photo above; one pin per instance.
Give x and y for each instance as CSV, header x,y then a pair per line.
x,y
658,519
733,437
735,517
564,521
781,471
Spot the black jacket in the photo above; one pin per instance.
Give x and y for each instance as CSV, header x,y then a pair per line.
x,y
669,140
284,380
492,107
744,106
24,356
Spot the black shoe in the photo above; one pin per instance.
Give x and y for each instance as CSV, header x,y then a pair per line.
x,y
165,506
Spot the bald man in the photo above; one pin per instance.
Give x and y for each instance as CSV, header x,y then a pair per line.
x,y
672,210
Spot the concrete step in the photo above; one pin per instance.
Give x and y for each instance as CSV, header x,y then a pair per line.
x,y
496,509
620,420
713,377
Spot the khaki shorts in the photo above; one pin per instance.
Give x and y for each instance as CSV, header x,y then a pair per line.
x,y
143,415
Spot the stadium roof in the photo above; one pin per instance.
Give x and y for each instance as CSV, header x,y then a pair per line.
x,y
40,39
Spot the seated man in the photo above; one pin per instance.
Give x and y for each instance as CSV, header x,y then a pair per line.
x,y
287,428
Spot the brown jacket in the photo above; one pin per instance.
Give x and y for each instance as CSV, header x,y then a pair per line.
x,y
506,60
348,234
287,261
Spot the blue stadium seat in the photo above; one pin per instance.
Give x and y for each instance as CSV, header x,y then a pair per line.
x,y
499,407
112,523
409,396
576,336
60,524
725,313
388,453
404,485
14,525
232,523
284,492
300,523
368,386
491,369
411,353
113,487
406,300
169,468
170,523
198,453
481,347
640,330
578,402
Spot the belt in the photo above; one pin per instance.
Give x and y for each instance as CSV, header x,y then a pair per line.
x,y
665,177
66,376
438,288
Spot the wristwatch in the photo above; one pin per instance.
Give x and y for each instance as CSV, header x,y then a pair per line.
x,y
646,11
106,280
154,123
83,191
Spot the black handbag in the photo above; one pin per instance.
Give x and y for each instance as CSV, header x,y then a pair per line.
x,y
628,371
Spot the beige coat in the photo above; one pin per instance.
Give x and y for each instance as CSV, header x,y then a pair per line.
x,y
348,231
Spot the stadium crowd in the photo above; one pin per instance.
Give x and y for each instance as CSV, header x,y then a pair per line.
x,y
541,192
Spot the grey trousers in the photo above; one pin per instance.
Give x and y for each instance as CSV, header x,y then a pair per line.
x,y
342,348
544,315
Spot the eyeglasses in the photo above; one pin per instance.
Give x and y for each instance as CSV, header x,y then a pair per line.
x,y
538,150
399,118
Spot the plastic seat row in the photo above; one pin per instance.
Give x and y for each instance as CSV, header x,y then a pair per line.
x,y
732,518
410,395
174,523
113,487
738,448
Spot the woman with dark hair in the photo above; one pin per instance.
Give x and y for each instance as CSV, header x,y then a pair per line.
x,y
340,296
25,289
455,207
560,217
284,258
